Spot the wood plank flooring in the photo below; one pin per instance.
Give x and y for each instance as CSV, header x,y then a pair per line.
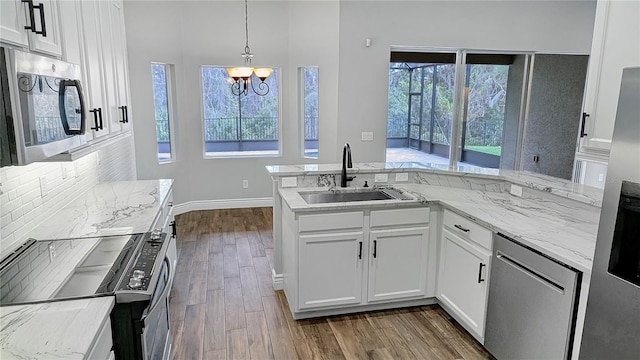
x,y
224,307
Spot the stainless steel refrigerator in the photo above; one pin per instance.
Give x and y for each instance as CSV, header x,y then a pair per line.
x,y
612,323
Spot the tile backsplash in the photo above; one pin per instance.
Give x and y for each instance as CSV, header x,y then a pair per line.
x,y
32,193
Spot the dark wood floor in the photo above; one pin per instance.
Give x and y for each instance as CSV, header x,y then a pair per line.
x,y
223,305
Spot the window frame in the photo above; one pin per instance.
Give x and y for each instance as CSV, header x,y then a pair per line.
x,y
169,77
239,154
301,112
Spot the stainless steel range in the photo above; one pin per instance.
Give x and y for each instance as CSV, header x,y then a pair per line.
x,y
136,269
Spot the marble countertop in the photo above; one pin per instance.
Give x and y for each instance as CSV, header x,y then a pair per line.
x,y
564,230
56,330
110,208
560,187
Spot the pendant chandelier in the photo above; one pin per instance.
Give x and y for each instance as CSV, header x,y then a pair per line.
x,y
242,75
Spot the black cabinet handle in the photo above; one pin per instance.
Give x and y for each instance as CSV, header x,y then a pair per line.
x,y
43,26
461,228
174,230
95,119
480,279
124,116
170,204
360,250
584,119
100,117
32,17
375,248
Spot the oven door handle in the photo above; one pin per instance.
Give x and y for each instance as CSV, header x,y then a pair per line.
x,y
165,293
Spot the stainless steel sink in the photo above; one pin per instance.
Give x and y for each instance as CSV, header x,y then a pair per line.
x,y
347,196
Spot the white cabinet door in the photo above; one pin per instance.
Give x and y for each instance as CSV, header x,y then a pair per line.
x,y
97,105
330,270
615,45
71,32
119,42
112,115
49,41
462,281
13,19
398,261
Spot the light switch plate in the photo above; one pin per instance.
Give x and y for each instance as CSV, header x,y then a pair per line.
x,y
381,178
516,190
402,177
367,136
289,182
43,186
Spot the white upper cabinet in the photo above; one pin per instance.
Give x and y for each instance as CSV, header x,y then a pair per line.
x,y
615,45
34,24
97,120
111,113
71,32
105,64
47,23
119,43
12,22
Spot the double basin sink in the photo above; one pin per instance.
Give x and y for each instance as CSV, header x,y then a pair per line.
x,y
337,196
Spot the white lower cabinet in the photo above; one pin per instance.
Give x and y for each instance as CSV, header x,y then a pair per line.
x,y
333,261
463,276
330,270
398,263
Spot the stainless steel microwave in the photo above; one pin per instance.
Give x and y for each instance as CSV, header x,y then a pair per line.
x,y
42,110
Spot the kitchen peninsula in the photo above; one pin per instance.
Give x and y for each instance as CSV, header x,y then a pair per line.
x,y
551,217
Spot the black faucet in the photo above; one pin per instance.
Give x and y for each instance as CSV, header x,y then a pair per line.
x,y
346,163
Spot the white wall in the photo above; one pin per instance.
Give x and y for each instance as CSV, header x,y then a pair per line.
x,y
22,204
286,35
547,26
328,34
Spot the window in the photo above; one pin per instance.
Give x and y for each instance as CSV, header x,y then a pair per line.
x,y
239,125
421,108
162,109
309,79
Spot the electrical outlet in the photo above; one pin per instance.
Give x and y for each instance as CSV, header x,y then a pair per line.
x,y
402,177
601,177
516,190
52,252
65,171
289,182
367,136
245,184
381,178
43,186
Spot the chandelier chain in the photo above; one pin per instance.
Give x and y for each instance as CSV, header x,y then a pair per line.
x,y
246,26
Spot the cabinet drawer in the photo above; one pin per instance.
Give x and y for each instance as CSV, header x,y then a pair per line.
x,y
467,229
397,217
332,221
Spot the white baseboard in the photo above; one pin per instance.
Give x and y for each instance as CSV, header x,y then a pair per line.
x,y
277,280
221,204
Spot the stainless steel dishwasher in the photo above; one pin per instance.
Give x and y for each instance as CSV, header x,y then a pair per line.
x,y
532,304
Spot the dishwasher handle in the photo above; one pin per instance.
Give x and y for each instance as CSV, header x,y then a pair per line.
x,y
531,272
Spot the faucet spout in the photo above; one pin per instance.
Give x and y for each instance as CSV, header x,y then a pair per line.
x,y
346,163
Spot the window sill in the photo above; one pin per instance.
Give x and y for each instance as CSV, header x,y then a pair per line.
x,y
242,154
